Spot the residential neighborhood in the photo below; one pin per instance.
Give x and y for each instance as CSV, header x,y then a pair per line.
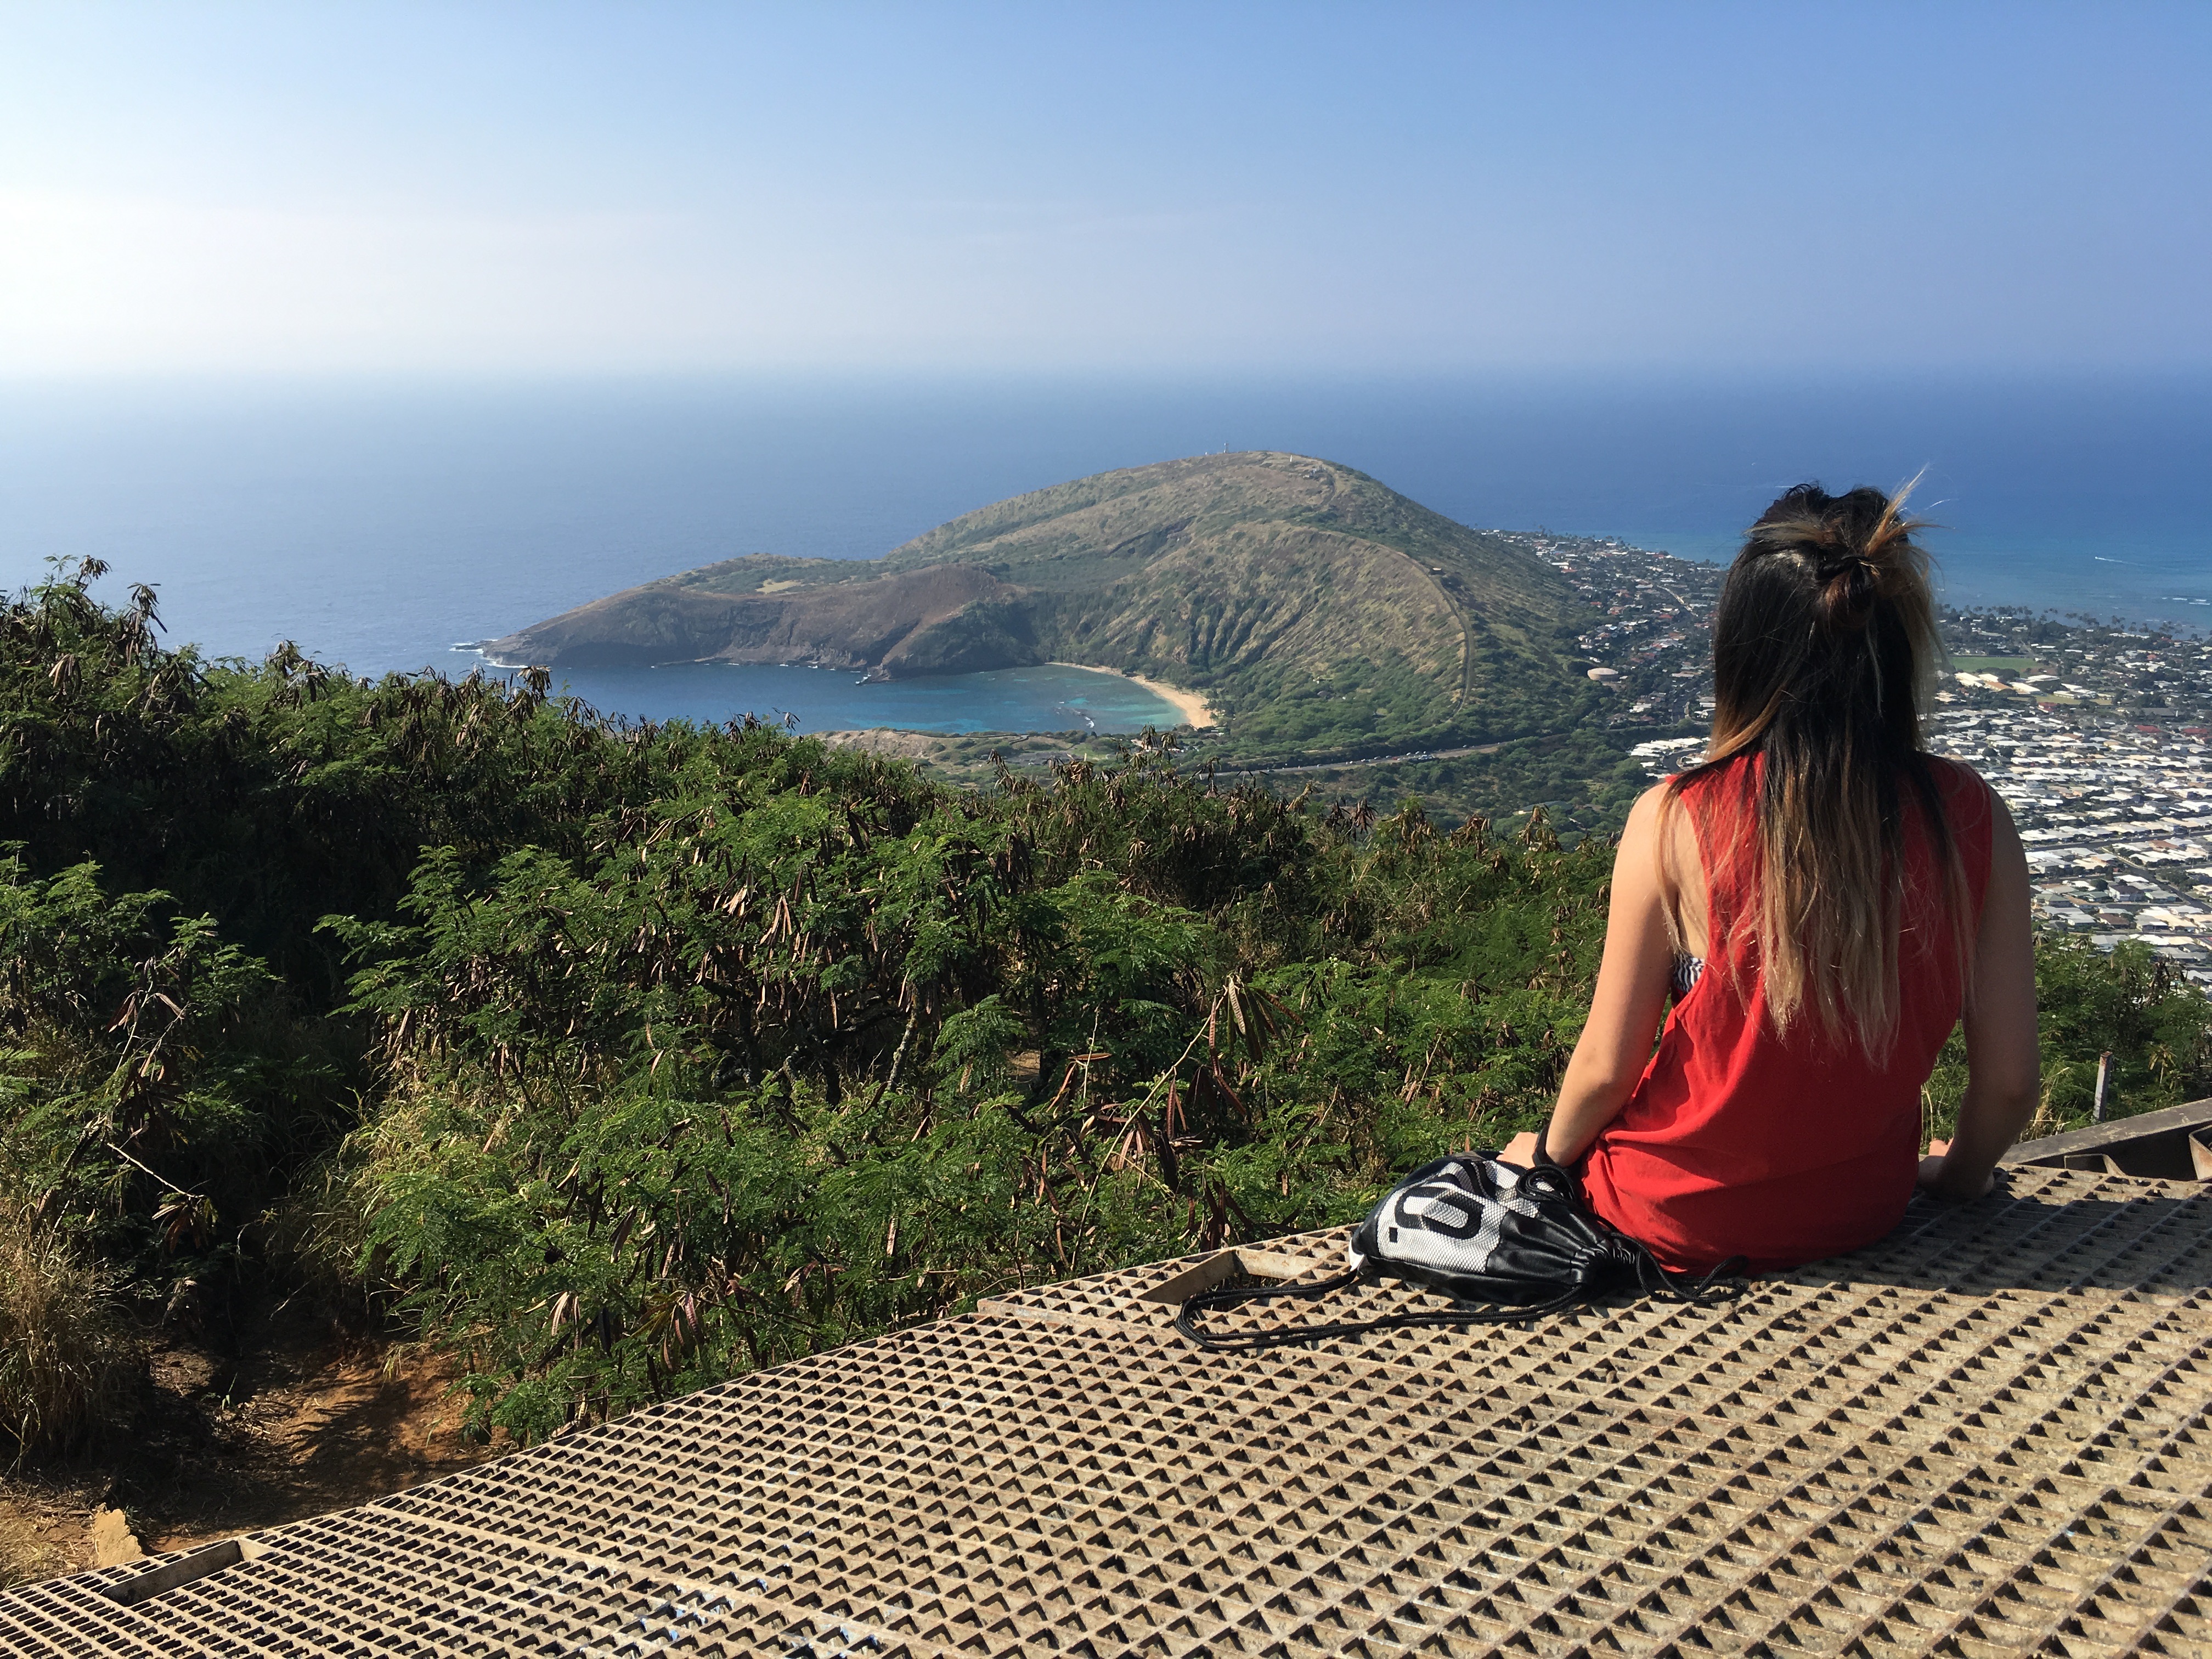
x,y
1651,638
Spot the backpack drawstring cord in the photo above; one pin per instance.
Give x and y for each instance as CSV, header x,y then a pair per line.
x,y
1460,1313
1721,1284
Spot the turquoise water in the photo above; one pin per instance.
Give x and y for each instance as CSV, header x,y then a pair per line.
x,y
375,524
1048,698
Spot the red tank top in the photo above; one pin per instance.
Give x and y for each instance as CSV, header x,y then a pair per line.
x,y
1738,1142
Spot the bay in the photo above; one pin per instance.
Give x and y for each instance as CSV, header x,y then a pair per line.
x,y
1049,697
376,523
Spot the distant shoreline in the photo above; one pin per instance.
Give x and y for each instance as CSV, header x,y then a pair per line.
x,y
1190,704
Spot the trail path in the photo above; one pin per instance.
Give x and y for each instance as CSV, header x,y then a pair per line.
x,y
305,1421
1370,760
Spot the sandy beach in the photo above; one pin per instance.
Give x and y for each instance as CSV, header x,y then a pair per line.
x,y
1189,703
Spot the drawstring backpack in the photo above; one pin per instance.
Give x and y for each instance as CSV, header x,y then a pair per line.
x,y
1507,1245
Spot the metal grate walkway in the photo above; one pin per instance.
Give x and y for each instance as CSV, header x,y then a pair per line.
x,y
1991,1433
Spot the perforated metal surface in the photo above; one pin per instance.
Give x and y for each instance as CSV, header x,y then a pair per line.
x,y
1988,1434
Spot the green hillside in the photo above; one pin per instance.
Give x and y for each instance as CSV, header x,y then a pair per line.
x,y
1320,612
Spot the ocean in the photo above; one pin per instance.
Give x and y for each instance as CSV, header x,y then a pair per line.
x,y
378,524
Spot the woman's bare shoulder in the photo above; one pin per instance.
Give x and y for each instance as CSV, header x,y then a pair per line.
x,y
1661,837
1643,816
1951,767
1661,805
1965,790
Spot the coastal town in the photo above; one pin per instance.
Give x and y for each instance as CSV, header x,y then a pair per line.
x,y
2093,733
1650,639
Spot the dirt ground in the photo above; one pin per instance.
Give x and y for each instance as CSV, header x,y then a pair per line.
x,y
305,1418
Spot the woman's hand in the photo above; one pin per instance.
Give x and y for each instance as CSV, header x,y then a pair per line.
x,y
1521,1151
1931,1178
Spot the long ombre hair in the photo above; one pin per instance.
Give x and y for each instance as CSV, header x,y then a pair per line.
x,y
1824,654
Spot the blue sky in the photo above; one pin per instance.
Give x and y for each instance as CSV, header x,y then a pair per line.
x,y
481,188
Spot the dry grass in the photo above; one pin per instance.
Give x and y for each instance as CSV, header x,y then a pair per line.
x,y
67,1370
43,1532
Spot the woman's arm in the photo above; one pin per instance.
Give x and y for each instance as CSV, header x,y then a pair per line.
x,y
2003,1069
1632,993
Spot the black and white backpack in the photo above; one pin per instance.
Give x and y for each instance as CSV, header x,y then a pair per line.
x,y
1505,1244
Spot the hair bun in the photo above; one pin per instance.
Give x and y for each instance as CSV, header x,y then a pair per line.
x,y
1850,585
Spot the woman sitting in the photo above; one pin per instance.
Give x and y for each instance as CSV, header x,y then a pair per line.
x,y
1821,897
